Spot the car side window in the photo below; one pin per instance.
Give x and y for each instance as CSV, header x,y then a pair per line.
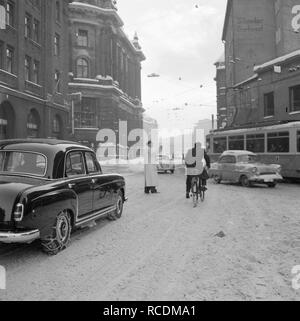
x,y
74,164
227,160
91,164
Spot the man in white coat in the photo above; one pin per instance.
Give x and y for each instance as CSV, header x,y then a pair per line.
x,y
151,176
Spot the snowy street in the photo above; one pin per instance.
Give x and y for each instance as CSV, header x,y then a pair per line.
x,y
164,249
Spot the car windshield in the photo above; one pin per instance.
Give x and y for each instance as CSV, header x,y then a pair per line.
x,y
22,163
247,158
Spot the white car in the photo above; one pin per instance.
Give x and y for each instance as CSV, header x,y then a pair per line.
x,y
165,164
244,167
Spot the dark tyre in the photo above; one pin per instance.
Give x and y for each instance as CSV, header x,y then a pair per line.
x,y
117,213
202,194
60,235
172,171
272,185
244,180
217,179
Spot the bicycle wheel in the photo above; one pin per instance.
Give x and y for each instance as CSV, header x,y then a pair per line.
x,y
195,193
202,191
202,195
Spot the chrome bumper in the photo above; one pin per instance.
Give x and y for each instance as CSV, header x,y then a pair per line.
x,y
19,237
268,178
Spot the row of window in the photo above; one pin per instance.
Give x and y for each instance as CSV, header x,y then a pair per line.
x,y
294,101
33,126
31,66
278,142
30,23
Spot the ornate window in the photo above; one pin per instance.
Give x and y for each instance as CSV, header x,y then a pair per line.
x,y
82,38
85,113
82,68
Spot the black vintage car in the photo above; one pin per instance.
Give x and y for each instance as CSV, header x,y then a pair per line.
x,y
48,188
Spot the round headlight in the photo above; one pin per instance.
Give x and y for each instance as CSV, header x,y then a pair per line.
x,y
254,170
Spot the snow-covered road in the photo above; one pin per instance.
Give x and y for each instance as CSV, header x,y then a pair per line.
x,y
164,249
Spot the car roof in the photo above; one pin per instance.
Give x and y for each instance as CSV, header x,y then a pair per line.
x,y
237,153
40,145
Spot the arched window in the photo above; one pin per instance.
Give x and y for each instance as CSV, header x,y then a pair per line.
x,y
82,68
33,124
57,127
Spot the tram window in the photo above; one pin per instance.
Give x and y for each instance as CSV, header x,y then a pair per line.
x,y
256,143
298,141
279,142
208,144
220,145
236,143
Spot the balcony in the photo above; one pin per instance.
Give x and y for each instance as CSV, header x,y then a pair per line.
x,y
8,79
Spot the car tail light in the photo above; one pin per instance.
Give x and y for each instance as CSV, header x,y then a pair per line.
x,y
279,169
18,212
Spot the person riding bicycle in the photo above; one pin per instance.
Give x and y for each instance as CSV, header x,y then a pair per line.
x,y
196,161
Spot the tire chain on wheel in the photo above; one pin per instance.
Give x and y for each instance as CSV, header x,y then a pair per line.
x,y
113,216
52,246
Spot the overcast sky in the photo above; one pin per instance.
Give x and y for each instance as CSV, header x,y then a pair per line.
x,y
180,41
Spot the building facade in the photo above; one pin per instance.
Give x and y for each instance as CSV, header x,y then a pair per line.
x,y
262,70
34,69
221,92
105,66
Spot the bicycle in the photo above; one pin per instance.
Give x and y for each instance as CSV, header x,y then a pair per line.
x,y
198,190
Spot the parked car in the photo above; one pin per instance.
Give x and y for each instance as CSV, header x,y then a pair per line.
x,y
49,188
244,167
165,164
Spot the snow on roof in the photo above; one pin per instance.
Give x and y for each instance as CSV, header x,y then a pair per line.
x,y
96,8
242,131
277,61
246,81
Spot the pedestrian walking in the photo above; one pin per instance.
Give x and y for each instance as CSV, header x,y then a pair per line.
x,y
151,175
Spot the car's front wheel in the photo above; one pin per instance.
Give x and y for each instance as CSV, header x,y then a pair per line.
x,y
60,236
272,185
245,182
117,213
217,179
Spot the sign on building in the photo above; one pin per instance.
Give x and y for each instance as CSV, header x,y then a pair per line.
x,y
2,17
277,69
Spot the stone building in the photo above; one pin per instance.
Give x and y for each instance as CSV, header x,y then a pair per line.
x,y
105,66
262,62
34,69
221,92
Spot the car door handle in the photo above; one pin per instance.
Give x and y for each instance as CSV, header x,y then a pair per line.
x,y
94,181
70,185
